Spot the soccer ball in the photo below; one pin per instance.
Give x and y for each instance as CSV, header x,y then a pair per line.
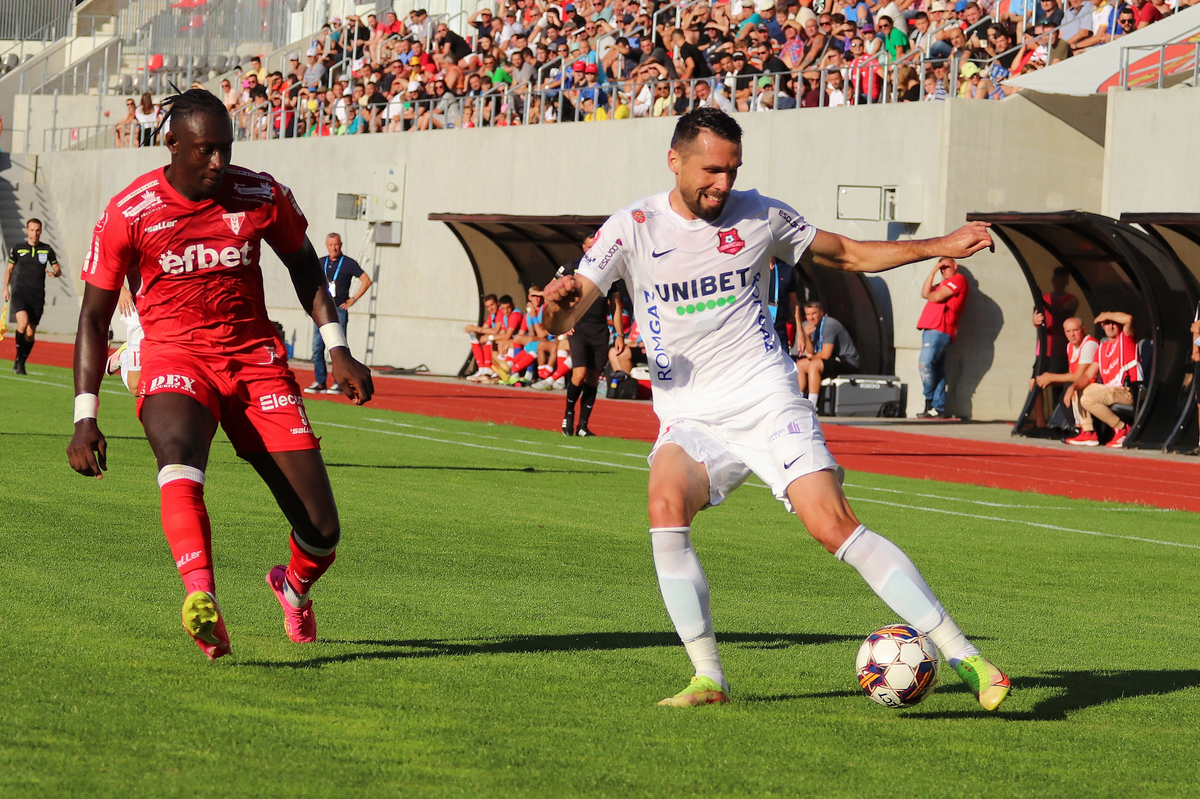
x,y
897,666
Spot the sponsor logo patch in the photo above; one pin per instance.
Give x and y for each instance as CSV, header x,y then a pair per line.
x,y
201,256
139,190
793,429
262,191
608,256
172,382
729,242
149,202
639,216
273,402
166,224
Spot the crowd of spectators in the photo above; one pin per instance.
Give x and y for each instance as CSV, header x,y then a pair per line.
x,y
535,62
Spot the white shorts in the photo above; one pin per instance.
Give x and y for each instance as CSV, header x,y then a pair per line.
x,y
779,439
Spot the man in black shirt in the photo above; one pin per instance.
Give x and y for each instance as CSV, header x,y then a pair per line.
x,y
25,287
589,351
692,63
339,271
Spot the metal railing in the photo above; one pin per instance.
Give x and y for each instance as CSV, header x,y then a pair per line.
x,y
1172,60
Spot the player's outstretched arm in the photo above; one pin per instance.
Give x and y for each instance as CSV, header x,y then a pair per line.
x,y
312,289
567,298
838,252
87,452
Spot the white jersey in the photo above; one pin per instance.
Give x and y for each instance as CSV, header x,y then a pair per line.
x,y
699,292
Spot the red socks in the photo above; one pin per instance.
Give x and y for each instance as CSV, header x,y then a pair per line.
x,y
477,350
306,567
522,361
185,523
562,368
189,534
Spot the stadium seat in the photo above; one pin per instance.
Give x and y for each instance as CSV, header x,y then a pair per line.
x,y
155,63
220,63
200,63
126,85
10,61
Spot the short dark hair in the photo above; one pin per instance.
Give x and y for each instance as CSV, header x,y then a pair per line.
x,y
491,297
33,219
506,299
198,101
714,120
814,304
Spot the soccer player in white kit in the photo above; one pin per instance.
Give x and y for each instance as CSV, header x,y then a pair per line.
x,y
127,360
696,262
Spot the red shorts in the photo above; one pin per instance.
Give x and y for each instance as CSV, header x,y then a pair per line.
x,y
254,395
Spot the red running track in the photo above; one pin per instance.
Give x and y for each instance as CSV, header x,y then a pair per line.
x,y
1080,474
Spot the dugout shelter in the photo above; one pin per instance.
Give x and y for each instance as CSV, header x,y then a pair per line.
x,y
1114,266
511,253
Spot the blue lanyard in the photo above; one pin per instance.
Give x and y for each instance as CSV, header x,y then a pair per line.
x,y
337,271
820,335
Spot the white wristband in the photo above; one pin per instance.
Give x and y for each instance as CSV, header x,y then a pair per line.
x,y
333,335
86,406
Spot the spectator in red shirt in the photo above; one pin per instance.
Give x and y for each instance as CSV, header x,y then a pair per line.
x,y
939,326
1147,13
1117,361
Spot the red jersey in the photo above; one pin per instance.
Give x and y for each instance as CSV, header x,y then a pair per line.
x,y
1055,312
944,316
1083,355
198,262
1118,356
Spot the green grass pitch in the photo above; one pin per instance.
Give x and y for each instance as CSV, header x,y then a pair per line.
x,y
492,628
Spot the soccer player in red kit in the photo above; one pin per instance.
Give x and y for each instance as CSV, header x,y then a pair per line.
x,y
192,233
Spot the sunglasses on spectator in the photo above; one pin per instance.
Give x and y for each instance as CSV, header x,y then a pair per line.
x,y
1126,20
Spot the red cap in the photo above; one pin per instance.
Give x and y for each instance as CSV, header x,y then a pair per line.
x,y
591,68
578,66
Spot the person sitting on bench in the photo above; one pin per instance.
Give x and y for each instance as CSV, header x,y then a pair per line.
x,y
1118,357
825,350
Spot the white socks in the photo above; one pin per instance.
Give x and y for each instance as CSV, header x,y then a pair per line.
x,y
813,398
685,593
894,578
295,600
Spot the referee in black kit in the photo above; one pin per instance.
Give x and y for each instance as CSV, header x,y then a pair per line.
x,y
25,287
589,350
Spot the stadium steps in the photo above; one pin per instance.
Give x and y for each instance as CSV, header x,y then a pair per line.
x,y
20,199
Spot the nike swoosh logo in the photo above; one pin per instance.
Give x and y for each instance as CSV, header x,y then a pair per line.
x,y
791,463
664,252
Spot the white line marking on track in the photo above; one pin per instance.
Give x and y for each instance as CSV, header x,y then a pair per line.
x,y
757,485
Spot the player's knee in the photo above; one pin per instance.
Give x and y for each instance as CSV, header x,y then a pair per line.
x,y
322,532
668,509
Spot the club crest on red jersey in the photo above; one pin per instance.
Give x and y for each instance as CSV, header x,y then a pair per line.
x,y
729,242
639,216
235,221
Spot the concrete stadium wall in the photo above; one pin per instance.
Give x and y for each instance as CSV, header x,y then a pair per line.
x,y
965,157
1147,144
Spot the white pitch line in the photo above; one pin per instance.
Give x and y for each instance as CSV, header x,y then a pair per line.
x,y
1027,524
62,385
496,438
856,499
485,446
1007,504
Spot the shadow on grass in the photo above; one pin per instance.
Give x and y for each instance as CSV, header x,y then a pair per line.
x,y
1078,690
533,644
521,469
65,437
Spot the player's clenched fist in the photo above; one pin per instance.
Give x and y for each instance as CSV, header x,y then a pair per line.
x,y
563,291
351,376
87,452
